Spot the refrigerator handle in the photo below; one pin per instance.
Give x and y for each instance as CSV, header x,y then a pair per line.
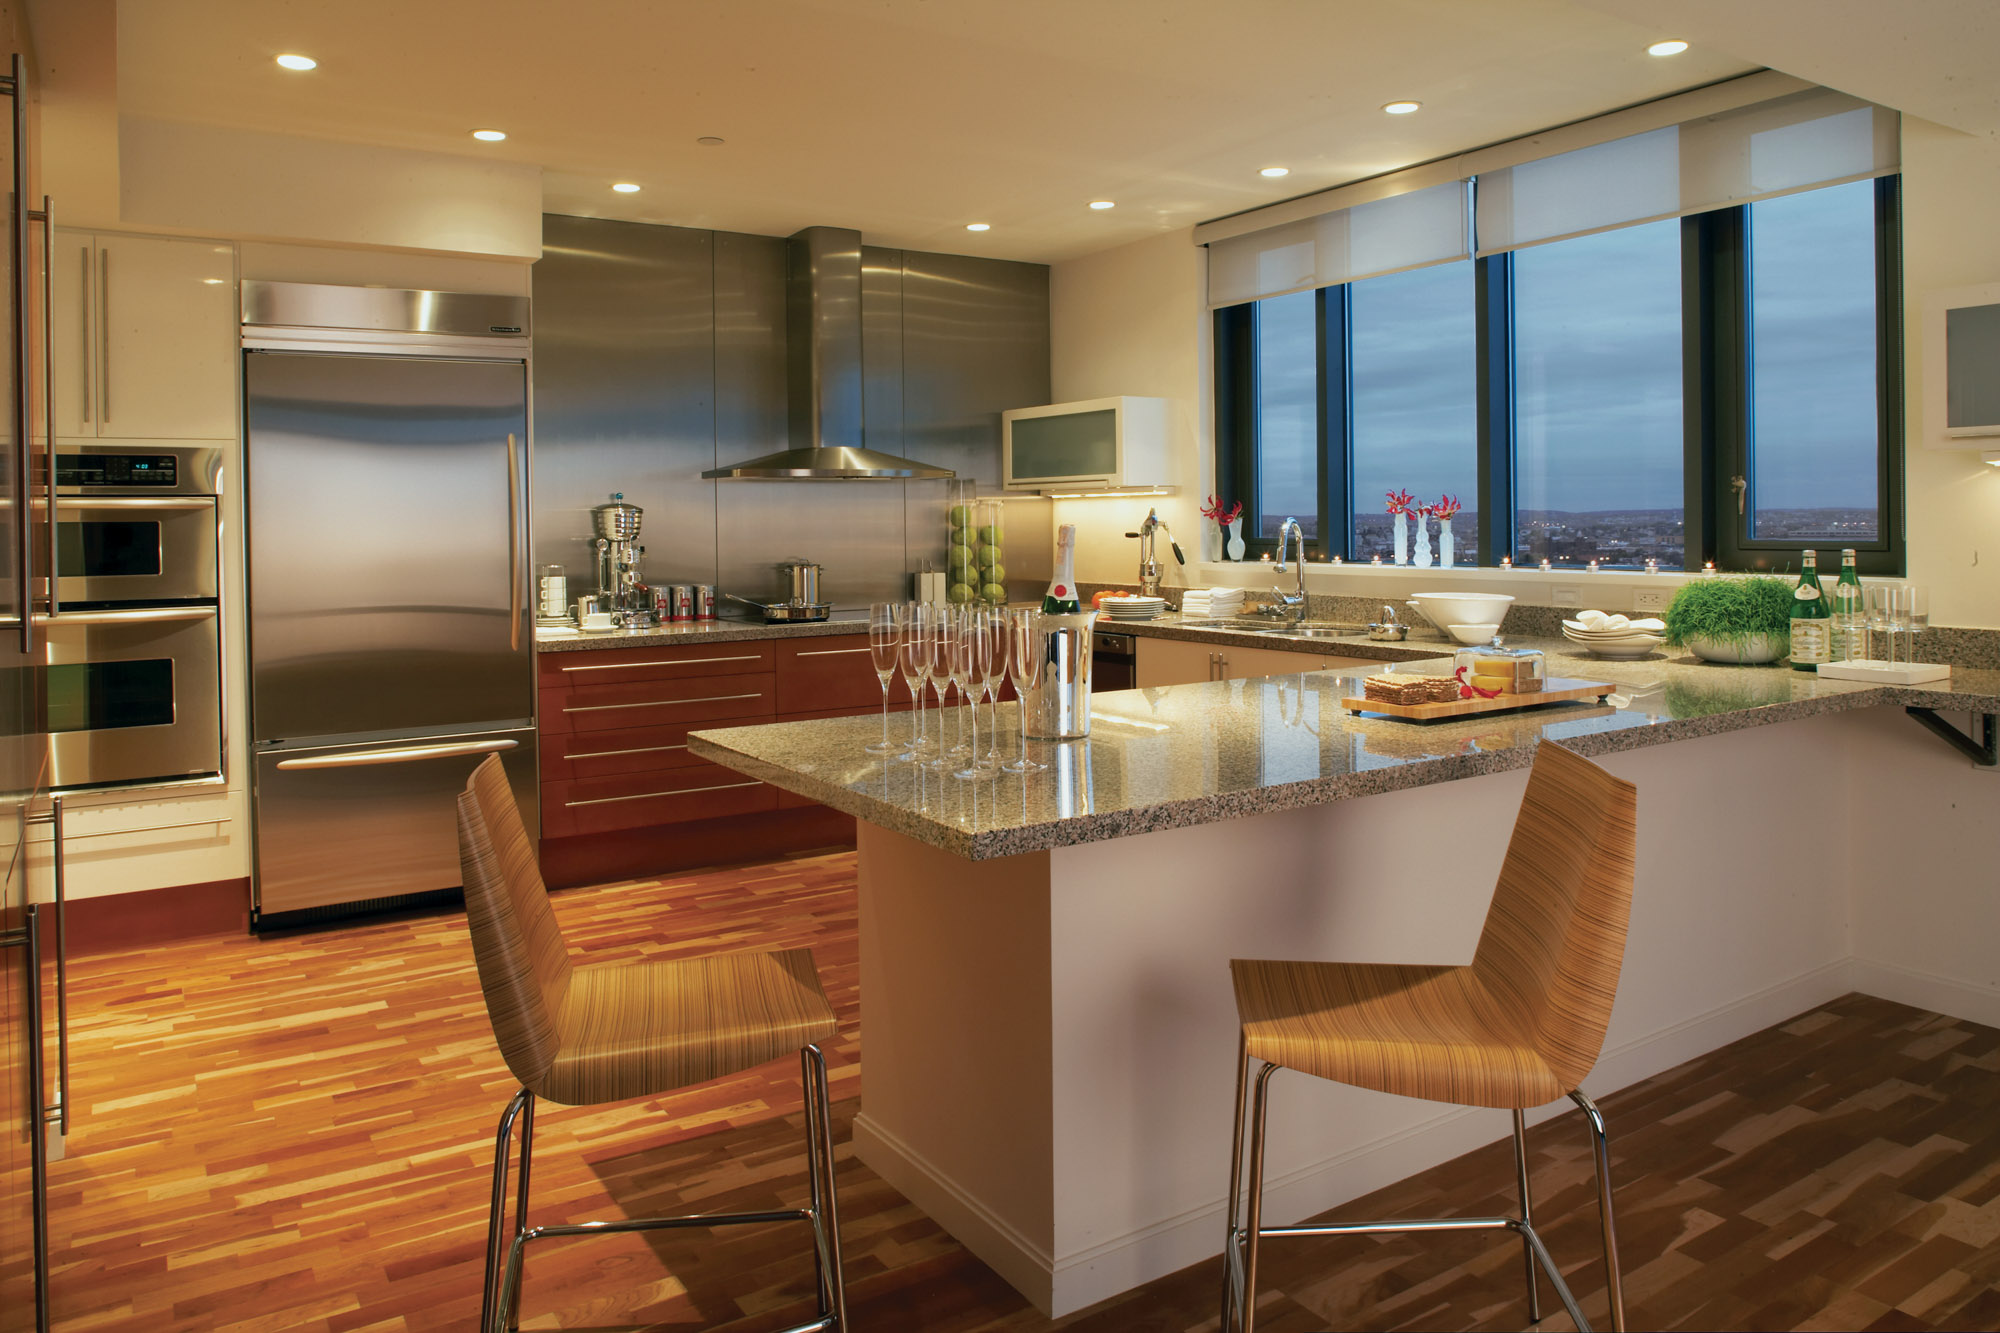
x,y
57,1113
23,423
38,1148
514,579
407,755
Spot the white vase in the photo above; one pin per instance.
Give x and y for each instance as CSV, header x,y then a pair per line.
x,y
1445,546
1236,540
1422,559
1402,539
1214,541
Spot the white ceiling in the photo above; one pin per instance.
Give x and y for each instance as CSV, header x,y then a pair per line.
x,y
907,118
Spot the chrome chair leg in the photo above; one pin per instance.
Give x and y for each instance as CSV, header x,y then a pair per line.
x,y
1254,1220
825,1198
503,1142
521,1193
1613,1286
1231,1253
1527,1213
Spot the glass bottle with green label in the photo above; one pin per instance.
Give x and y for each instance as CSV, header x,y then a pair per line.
x,y
1812,622
1850,618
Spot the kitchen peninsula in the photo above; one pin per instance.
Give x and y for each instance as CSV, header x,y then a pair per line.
x,y
1050,1030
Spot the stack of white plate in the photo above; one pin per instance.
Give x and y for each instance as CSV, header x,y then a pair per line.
x,y
1614,635
1133,608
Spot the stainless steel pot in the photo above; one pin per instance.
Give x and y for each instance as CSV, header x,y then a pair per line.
x,y
805,582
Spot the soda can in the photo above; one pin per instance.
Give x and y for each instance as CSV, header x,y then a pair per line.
x,y
680,602
704,601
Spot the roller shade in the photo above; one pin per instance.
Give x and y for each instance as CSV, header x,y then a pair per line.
x,y
1809,139
1426,226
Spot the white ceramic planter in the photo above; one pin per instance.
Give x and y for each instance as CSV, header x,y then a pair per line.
x,y
1756,649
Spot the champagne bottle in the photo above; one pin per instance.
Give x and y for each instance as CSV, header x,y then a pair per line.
x,y
1812,623
1060,599
1850,620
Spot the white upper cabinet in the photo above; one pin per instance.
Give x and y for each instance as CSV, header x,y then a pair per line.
x,y
146,337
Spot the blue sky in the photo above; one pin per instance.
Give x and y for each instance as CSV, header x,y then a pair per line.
x,y
1598,369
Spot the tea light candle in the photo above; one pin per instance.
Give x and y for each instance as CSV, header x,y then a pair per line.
x,y
1593,566
1506,562
1546,565
1652,566
1708,566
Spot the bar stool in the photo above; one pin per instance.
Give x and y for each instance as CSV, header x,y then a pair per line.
x,y
608,1032
1518,1028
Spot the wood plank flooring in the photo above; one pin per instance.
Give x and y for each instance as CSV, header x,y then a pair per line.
x,y
296,1133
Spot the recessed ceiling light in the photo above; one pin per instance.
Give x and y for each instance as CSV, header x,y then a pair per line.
x,y
1402,108
1101,204
710,141
1275,171
1672,48
979,226
626,187
489,136
298,62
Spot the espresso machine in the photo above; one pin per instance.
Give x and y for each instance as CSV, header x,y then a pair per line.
x,y
620,588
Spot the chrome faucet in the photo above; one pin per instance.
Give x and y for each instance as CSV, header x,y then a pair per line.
x,y
1290,531
1149,567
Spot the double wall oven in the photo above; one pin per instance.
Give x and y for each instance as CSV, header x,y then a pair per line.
x,y
134,677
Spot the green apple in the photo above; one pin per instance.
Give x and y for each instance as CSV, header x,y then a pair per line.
x,y
959,558
961,515
960,592
994,574
994,593
990,533
989,556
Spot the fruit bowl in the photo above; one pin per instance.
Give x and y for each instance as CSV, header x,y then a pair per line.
x,y
1462,608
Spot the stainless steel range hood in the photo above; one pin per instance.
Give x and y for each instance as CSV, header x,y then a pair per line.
x,y
823,335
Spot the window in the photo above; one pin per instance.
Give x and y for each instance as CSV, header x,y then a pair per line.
x,y
1415,414
1594,397
1597,399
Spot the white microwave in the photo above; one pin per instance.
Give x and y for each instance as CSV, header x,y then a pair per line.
x,y
1099,443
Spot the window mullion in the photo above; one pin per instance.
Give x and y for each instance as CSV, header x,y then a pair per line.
x,y
1336,473
1493,280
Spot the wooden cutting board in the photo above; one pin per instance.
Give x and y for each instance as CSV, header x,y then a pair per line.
x,y
1555,690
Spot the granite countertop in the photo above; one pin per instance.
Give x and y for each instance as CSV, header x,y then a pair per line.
x,y
1183,755
558,639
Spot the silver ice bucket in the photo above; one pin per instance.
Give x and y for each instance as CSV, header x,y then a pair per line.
x,y
1059,707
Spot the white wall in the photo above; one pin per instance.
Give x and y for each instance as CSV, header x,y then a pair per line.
x,y
1132,321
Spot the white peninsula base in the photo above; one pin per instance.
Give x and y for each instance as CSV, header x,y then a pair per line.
x,y
1051,1036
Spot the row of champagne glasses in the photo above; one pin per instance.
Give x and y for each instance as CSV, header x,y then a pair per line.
x,y
970,650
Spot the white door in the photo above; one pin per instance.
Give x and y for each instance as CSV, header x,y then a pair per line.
x,y
168,344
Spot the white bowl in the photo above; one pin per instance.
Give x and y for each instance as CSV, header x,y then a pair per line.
x,y
1757,648
1472,635
1445,609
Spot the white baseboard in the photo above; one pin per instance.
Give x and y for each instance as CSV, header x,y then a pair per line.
x,y
1941,995
1060,1286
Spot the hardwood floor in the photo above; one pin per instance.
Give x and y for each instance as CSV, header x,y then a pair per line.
x,y
296,1133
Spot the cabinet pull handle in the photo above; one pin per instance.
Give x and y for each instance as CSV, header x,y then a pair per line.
x,y
650,795
89,336
405,756
514,579
834,652
685,661
608,754
661,703
104,335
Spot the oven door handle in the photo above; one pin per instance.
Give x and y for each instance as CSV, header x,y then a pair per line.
x,y
407,755
183,502
137,617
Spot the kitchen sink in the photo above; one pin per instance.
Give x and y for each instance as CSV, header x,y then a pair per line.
x,y
1311,629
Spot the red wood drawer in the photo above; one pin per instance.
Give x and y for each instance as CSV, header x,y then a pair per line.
x,y
613,666
700,790
651,703
607,754
832,672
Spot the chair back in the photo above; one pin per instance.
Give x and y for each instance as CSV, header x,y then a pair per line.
x,y
1554,939
524,967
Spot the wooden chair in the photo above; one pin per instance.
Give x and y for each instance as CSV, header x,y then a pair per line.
x,y
607,1032
1519,1027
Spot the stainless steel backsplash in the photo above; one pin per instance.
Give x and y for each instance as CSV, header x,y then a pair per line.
x,y
660,352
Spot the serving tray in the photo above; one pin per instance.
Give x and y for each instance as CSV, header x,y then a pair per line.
x,y
1555,690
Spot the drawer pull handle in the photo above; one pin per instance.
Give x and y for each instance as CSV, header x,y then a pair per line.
x,y
685,661
835,652
607,754
661,703
650,795
411,755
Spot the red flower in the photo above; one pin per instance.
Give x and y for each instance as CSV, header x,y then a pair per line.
x,y
1400,502
1446,507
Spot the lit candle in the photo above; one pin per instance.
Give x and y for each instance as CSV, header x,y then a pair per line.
x,y
1375,560
1652,565
1506,562
1593,566
1545,563
1708,566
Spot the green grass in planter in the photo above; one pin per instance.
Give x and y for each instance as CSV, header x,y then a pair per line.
x,y
1730,610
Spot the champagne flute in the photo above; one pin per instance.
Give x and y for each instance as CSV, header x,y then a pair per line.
x,y
942,643
968,668
1024,668
913,655
1880,601
994,674
885,641
1917,604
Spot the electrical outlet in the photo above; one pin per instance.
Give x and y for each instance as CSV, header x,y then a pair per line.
x,y
1650,599
1568,597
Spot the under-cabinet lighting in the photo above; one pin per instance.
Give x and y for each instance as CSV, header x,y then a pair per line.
x,y
1101,204
979,226
300,63
489,136
1402,108
1102,495
626,187
1275,171
1991,457
1667,48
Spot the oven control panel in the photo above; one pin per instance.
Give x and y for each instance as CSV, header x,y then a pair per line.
x,y
134,470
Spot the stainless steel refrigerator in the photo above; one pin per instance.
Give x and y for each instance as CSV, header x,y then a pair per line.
x,y
390,631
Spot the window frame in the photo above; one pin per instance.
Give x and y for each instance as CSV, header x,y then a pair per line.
x,y
1716,402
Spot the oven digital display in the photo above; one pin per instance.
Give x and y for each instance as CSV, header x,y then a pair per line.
x,y
117,470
